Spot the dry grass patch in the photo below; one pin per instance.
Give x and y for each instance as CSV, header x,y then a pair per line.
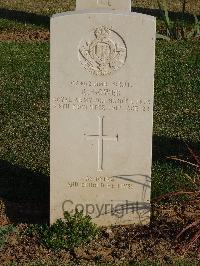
x,y
49,7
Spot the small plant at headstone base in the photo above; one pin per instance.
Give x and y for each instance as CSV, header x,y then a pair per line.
x,y
5,231
176,30
72,231
193,197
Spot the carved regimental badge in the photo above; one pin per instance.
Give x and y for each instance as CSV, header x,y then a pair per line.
x,y
104,53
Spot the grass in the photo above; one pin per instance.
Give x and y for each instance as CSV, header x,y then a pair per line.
x,y
176,112
22,15
13,25
24,88
39,6
177,90
54,6
24,110
24,82
5,231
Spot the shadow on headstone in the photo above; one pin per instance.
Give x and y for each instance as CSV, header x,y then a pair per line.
x,y
25,17
25,194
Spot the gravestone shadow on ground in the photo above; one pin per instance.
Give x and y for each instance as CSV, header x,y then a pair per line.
x,y
164,147
44,20
25,17
172,14
25,194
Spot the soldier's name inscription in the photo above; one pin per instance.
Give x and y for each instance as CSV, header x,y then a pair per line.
x,y
100,96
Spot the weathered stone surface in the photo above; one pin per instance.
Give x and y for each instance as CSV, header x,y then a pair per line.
x,y
102,79
110,4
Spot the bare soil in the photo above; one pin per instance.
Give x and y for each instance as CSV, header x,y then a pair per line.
x,y
118,245
25,36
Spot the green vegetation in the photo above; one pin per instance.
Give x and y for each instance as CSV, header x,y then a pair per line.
x,y
177,29
53,6
24,81
177,82
39,6
13,25
74,230
176,113
24,112
24,85
20,15
5,231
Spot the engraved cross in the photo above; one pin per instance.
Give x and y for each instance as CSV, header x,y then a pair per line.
x,y
101,138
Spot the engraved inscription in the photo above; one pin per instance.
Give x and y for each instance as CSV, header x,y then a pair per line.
x,y
100,182
102,96
101,138
103,3
101,84
96,102
104,52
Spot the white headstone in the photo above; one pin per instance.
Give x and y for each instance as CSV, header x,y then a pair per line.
x,y
110,4
102,80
